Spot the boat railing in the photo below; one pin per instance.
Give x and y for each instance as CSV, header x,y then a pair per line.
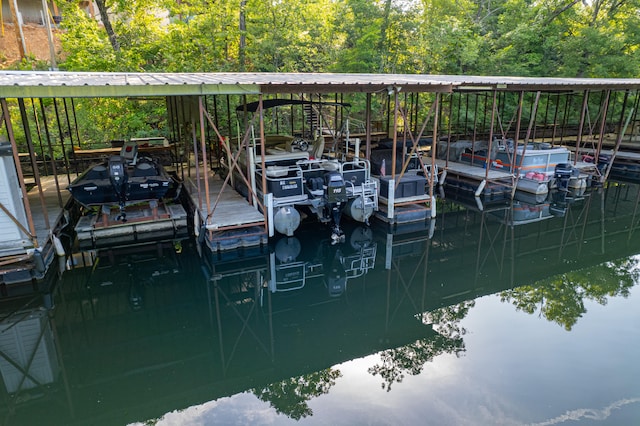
x,y
357,171
370,194
360,264
284,182
431,176
368,191
289,277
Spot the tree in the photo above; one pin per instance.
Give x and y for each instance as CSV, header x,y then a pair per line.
x,y
291,35
411,358
360,26
561,298
104,17
290,396
565,38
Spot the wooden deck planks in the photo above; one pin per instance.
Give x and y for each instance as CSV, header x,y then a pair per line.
x,y
232,209
623,155
54,212
474,172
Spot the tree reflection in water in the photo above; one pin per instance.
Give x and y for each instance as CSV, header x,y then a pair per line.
x,y
561,298
290,396
411,358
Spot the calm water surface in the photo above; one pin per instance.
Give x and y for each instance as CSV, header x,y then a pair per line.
x,y
524,314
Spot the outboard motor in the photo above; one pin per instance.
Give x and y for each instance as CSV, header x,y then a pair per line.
x,y
603,162
563,173
136,290
118,178
335,274
559,203
336,197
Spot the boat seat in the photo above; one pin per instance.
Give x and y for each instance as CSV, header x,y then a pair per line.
x,y
97,172
330,165
144,170
277,171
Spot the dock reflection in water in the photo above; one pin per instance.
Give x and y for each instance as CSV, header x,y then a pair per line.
x,y
139,333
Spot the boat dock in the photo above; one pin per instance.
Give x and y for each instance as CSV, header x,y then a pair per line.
x,y
403,210
28,264
148,221
203,128
476,180
223,219
495,184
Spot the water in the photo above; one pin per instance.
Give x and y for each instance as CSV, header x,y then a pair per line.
x,y
489,317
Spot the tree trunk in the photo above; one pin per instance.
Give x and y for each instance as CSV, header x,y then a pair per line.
x,y
382,47
243,34
18,29
104,17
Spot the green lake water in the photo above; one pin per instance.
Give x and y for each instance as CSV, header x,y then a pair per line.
x,y
493,314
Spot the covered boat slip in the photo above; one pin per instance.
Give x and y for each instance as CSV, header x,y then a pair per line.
x,y
482,182
437,106
622,165
26,259
146,222
223,218
474,174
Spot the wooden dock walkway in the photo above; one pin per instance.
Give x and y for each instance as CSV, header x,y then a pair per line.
x,y
232,222
31,263
477,181
232,210
473,172
144,223
49,213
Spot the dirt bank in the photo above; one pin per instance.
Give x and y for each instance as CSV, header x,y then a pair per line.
x,y
36,40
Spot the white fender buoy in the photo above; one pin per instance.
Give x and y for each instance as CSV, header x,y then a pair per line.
x,y
57,244
196,224
286,220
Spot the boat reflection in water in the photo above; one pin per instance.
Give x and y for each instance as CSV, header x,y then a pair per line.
x,y
291,267
155,330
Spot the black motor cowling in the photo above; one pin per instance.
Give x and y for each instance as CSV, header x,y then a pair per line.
x,y
336,197
563,173
603,162
336,187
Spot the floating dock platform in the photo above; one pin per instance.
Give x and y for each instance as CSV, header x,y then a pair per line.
x,y
145,222
228,222
408,212
476,180
26,267
496,184
404,201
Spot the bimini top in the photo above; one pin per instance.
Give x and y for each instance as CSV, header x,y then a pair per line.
x,y
61,84
273,103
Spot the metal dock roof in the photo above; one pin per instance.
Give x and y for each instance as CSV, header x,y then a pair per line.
x,y
44,84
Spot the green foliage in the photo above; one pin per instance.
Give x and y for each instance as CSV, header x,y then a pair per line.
x,y
290,396
103,119
509,37
31,63
291,36
501,37
561,298
410,359
198,40
85,43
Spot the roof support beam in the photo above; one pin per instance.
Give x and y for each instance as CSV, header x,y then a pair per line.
x,y
126,90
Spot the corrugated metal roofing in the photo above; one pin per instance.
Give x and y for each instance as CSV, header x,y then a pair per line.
x,y
25,84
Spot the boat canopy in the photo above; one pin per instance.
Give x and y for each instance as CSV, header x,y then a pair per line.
x,y
272,103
